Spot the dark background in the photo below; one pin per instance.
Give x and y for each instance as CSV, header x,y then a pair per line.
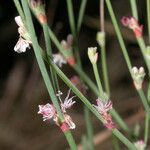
x,y
22,88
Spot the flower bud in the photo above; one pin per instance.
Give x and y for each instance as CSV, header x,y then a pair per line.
x,y
100,37
138,77
93,55
38,9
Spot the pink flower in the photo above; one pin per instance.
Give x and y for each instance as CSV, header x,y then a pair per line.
x,y
48,111
102,106
68,102
132,23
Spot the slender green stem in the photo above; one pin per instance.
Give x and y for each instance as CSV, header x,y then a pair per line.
x,y
89,128
148,17
49,51
116,145
105,72
19,9
148,93
103,50
43,70
144,101
98,81
143,49
81,14
119,35
71,17
70,140
84,143
134,8
146,132
118,134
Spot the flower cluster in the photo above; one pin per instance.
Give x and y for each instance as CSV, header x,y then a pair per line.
x,y
59,59
79,84
133,24
49,112
68,53
140,145
103,107
24,38
138,77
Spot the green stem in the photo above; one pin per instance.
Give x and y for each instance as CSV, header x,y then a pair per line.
x,y
144,101
105,72
98,81
19,9
71,17
43,70
118,134
148,17
134,8
146,133
70,140
89,127
143,49
119,35
116,145
49,51
81,14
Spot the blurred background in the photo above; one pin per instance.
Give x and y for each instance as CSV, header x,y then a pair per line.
x,y
22,88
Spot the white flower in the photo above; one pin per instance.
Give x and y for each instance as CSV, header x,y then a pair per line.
x,y
138,76
21,45
93,55
140,145
24,38
102,106
59,59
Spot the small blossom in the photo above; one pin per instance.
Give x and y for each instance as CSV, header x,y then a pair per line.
x,y
140,145
133,24
38,7
103,108
93,55
59,59
69,121
48,111
68,102
21,45
79,84
68,53
138,76
24,38
100,37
